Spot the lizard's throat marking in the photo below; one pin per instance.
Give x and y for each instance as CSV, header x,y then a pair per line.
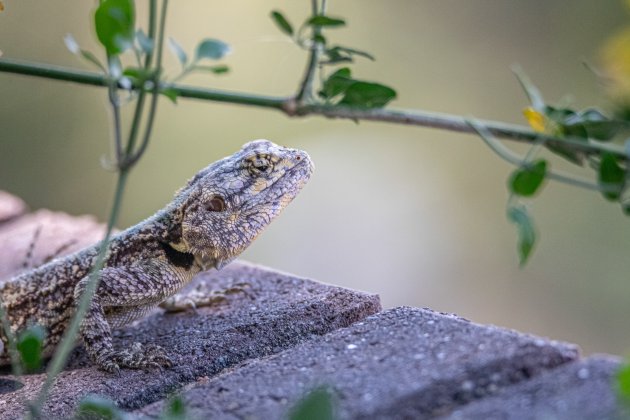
x,y
178,258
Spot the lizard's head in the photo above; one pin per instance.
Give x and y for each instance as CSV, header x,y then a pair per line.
x,y
230,202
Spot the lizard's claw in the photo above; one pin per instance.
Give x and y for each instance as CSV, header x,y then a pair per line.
x,y
137,356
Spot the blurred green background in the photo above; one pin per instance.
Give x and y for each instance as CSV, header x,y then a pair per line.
x,y
414,214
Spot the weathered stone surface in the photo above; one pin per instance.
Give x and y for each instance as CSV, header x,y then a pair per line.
x,y
580,390
276,312
59,234
10,206
401,363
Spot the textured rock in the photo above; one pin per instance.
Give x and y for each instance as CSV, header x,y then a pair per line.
x,y
276,312
50,234
580,390
10,206
401,363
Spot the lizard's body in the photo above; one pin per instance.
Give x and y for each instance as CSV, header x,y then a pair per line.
x,y
211,220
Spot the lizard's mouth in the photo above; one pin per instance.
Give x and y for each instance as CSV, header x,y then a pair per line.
x,y
205,261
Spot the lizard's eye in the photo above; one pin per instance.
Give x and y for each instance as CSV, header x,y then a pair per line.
x,y
261,164
217,203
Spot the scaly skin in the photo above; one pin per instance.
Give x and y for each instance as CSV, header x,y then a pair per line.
x,y
210,221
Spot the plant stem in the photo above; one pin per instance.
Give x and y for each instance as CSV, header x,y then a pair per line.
x,y
124,166
132,157
16,367
306,87
67,343
290,107
522,161
137,115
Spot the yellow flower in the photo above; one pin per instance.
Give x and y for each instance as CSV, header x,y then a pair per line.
x,y
616,61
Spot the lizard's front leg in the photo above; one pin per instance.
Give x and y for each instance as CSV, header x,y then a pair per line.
x,y
124,294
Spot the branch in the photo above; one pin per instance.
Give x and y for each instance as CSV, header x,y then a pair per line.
x,y
291,107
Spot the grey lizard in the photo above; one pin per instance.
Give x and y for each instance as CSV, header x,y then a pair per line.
x,y
211,220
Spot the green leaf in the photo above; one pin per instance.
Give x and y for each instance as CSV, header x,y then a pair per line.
x,y
137,73
319,38
518,215
174,410
567,152
623,382
335,57
367,95
337,83
219,69
611,176
339,54
178,51
596,124
29,345
115,23
327,21
145,43
95,406
317,405
526,181
353,51
212,49
170,93
282,22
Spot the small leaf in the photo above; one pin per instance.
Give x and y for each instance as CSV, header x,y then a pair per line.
x,y
623,382
320,39
178,51
353,51
212,49
137,73
175,409
74,48
336,84
335,57
596,124
145,43
367,95
71,44
526,181
611,176
170,93
317,405
29,345
115,23
282,22
328,21
532,92
526,234
88,56
95,406
219,69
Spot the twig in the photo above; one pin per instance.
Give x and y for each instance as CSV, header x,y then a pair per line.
x,y
306,87
289,106
521,161
132,157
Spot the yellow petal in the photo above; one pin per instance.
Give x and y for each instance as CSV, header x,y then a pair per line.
x,y
535,119
616,60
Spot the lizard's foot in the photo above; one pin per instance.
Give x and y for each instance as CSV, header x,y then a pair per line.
x,y
150,356
198,298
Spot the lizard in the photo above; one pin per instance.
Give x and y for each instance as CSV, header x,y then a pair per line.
x,y
210,221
